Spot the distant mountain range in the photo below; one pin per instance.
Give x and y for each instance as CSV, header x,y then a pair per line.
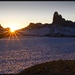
x,y
58,28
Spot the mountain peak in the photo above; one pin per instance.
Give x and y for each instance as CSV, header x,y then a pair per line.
x,y
59,20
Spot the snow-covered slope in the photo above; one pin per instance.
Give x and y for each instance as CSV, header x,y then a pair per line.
x,y
59,29
52,31
18,54
37,31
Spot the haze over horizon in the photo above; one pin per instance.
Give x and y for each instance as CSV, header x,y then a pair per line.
x,y
21,13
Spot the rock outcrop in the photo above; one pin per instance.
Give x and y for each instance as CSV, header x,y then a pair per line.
x,y
58,19
1,28
58,28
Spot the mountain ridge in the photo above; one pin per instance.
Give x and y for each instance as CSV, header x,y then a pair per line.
x,y
59,27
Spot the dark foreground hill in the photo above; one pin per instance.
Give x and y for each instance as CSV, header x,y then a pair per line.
x,y
54,67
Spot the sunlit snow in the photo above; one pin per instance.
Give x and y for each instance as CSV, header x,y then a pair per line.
x,y
16,55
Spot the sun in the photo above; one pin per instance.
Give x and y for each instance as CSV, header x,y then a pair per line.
x,y
13,28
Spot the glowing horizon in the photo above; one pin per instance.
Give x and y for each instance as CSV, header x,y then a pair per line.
x,y
21,13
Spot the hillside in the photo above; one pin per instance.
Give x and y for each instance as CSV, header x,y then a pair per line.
x,y
53,67
58,28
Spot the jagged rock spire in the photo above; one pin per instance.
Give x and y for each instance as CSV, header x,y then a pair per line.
x,y
55,13
57,19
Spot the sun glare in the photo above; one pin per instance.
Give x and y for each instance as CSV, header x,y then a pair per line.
x,y
13,28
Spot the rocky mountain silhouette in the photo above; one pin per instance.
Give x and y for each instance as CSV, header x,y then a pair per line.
x,y
58,28
1,26
57,19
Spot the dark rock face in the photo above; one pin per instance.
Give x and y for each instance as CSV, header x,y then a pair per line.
x,y
57,19
1,28
34,26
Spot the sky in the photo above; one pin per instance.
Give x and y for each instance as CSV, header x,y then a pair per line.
x,y
19,14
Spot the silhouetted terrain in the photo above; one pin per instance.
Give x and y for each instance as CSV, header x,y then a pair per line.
x,y
57,19
53,67
58,28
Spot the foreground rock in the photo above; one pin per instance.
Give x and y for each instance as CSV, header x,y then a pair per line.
x,y
54,67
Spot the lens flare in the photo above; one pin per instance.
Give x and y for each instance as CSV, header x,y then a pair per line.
x,y
13,34
12,30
